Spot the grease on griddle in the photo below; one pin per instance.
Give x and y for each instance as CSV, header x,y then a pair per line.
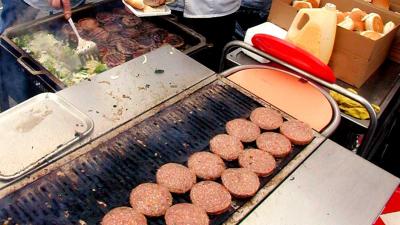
x,y
158,71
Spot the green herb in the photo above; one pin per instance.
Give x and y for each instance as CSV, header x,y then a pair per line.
x,y
101,68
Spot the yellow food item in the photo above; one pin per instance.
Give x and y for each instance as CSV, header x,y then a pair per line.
x,y
351,107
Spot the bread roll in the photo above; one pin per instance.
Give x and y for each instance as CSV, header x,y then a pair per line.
x,y
154,3
372,35
340,16
388,27
314,3
347,23
137,4
301,5
373,22
357,14
153,9
382,3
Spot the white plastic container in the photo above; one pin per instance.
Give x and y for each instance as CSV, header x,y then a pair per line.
x,y
314,30
264,28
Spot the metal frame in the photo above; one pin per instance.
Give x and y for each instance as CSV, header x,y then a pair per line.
x,y
364,148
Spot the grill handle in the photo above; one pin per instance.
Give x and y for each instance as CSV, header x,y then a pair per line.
x,y
364,149
24,62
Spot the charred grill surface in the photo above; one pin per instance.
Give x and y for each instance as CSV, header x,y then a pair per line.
x,y
91,185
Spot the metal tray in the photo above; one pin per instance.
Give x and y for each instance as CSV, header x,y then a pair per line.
x,y
36,130
194,41
83,190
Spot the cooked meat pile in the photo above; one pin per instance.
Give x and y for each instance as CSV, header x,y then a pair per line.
x,y
121,36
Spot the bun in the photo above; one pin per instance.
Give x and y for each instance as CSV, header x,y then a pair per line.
x,y
314,3
382,3
372,35
301,5
154,3
347,23
357,14
153,9
388,27
373,22
137,4
340,16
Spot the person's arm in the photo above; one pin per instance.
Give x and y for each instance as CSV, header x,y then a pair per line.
x,y
65,4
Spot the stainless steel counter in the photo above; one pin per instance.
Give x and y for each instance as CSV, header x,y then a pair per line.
x,y
333,186
127,91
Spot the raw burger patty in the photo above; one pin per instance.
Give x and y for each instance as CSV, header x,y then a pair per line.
x,y
211,196
274,143
206,165
186,213
177,178
260,162
150,199
297,132
243,129
241,182
123,216
267,119
226,146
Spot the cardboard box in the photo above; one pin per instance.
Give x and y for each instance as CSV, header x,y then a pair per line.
x,y
355,58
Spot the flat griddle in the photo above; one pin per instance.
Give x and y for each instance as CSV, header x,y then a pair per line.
x,y
194,42
84,189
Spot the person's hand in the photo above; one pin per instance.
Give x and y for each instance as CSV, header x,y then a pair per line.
x,y
65,4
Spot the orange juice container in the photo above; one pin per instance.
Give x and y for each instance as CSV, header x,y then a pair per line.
x,y
314,30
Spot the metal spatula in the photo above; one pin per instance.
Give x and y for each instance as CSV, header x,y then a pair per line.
x,y
86,50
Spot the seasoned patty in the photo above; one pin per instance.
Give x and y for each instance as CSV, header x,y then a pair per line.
x,y
299,133
174,40
127,47
274,143
227,147
186,214
105,17
113,27
206,165
131,33
123,216
99,34
211,196
150,199
267,119
242,129
88,23
131,21
113,58
177,178
240,182
260,162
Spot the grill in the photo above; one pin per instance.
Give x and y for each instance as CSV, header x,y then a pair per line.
x,y
194,42
83,190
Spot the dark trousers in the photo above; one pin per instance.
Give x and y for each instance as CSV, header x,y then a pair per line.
x,y
218,32
16,11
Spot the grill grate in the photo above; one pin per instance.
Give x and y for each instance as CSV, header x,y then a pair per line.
x,y
88,187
